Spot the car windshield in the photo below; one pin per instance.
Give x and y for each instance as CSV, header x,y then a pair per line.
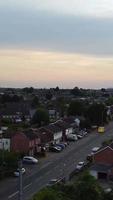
x,y
52,181
81,163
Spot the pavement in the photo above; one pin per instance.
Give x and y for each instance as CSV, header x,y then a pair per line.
x,y
53,166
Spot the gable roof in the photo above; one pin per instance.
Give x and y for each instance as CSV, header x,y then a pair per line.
x,y
54,128
111,145
62,124
30,134
107,147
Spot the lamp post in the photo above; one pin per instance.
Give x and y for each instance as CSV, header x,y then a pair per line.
x,y
20,197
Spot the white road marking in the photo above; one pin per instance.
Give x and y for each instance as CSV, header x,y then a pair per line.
x,y
27,186
12,195
15,193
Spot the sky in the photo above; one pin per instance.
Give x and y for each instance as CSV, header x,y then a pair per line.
x,y
49,43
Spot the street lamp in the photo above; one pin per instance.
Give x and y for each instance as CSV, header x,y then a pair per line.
x,y
20,180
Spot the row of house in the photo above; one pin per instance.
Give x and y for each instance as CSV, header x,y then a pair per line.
x,y
30,141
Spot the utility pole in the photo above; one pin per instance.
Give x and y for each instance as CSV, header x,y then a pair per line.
x,y
20,197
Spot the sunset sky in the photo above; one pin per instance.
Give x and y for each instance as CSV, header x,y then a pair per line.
x,y
49,43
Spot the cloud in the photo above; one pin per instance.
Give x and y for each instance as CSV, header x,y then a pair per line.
x,y
45,31
95,8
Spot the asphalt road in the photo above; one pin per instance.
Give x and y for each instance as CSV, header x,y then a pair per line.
x,y
54,166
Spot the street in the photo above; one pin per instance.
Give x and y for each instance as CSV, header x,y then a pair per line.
x,y
54,166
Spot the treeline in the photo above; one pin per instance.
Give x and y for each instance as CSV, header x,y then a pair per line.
x,y
85,188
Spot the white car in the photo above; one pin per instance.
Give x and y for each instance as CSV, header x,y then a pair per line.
x,y
16,173
95,149
30,160
52,182
80,165
80,136
56,181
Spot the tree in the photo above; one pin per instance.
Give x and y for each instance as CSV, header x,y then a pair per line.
x,y
49,96
35,102
41,117
76,91
57,89
103,90
46,194
61,105
97,114
28,90
109,101
87,188
76,108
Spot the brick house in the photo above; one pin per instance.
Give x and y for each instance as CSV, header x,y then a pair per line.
x,y
45,135
25,142
102,167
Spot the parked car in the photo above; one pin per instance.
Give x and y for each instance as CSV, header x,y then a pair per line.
x,y
95,149
55,148
30,160
61,145
16,173
80,166
84,133
65,143
90,157
55,181
79,136
72,137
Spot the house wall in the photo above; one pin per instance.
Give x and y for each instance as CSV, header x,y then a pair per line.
x,y
46,137
69,131
5,144
20,143
104,157
57,136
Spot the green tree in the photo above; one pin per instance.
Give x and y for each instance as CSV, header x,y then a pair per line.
x,y
35,102
49,96
41,117
28,90
97,114
87,188
61,105
109,101
76,108
46,194
76,91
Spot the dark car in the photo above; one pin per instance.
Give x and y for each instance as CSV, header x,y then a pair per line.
x,y
61,145
55,148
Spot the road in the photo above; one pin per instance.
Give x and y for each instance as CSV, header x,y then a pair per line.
x,y
55,165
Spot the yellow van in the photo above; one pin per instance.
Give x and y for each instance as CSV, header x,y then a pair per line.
x,y
101,129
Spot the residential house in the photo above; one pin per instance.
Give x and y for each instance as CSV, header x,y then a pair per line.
x,y
102,167
73,124
5,144
65,127
45,135
56,131
25,142
15,112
